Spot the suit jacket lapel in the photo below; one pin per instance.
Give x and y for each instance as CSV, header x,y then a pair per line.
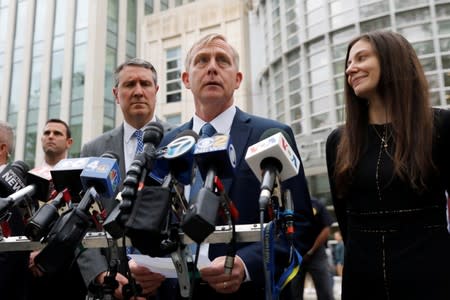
x,y
112,144
240,133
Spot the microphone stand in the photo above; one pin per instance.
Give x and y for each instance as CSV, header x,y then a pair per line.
x,y
180,253
267,201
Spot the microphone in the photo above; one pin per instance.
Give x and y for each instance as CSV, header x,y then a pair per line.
x,y
143,163
177,158
152,136
215,157
43,220
134,180
66,235
145,226
270,158
11,179
103,174
217,153
66,174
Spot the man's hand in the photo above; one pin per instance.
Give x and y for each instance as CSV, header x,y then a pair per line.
x,y
33,268
221,282
149,281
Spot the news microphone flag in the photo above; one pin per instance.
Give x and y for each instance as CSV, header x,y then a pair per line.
x,y
103,174
176,158
218,152
275,146
66,174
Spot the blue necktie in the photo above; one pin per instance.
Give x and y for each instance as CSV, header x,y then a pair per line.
x,y
207,130
139,141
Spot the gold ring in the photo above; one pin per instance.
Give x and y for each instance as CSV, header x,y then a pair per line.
x,y
224,285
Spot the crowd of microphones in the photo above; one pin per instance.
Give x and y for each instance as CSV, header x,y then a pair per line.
x,y
149,208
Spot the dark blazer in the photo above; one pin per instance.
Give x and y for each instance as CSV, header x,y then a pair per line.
x,y
244,190
92,261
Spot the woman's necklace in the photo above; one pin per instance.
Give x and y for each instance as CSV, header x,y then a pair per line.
x,y
383,145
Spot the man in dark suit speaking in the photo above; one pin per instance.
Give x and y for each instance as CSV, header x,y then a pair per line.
x,y
135,91
212,74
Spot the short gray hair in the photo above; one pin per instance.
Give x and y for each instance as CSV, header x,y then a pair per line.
x,y
7,135
207,40
138,62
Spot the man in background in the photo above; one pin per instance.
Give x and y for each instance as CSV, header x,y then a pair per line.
x,y
13,265
56,141
135,89
315,261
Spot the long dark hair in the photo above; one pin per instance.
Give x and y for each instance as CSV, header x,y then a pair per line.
x,y
403,88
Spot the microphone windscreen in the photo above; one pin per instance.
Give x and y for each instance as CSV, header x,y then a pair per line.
x,y
188,132
153,133
112,155
13,178
272,131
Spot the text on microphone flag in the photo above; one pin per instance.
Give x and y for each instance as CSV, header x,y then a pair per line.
x,y
13,180
275,146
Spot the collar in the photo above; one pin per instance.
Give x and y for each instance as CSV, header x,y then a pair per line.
x,y
129,130
222,123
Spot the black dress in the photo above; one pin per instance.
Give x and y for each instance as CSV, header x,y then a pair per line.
x,y
396,241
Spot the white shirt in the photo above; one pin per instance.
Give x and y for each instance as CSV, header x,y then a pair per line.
x,y
222,123
130,142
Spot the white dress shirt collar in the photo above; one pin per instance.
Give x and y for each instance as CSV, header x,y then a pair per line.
x,y
222,123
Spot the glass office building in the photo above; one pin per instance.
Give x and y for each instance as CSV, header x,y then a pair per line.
x,y
57,58
300,73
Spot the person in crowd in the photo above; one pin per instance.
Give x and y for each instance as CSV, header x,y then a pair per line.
x,y
135,90
6,143
315,261
212,75
389,169
338,253
56,142
13,265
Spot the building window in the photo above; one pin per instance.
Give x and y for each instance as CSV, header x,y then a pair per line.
x,y
148,7
174,119
163,5
173,75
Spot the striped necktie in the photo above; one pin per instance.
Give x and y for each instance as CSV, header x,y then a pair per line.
x,y
207,130
139,141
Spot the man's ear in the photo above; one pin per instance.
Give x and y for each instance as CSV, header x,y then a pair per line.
x,y
115,91
239,77
185,79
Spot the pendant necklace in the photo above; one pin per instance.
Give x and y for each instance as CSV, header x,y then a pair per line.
x,y
383,145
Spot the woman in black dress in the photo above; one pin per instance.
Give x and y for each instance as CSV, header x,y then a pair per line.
x,y
389,168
